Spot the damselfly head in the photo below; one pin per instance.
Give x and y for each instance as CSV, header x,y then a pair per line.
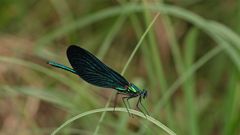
x,y
144,93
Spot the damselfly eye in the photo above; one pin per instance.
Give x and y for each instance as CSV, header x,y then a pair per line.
x,y
144,94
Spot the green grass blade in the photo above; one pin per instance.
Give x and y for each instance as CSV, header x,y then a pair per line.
x,y
137,113
129,8
189,85
52,96
231,104
124,69
110,36
208,56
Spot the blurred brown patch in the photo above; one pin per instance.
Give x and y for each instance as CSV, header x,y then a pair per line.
x,y
15,46
12,46
18,114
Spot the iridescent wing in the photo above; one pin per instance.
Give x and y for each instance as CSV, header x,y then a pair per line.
x,y
92,70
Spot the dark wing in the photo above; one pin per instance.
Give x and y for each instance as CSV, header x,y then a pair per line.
x,y
92,70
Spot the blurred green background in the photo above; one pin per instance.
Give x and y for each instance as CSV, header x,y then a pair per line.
x,y
189,62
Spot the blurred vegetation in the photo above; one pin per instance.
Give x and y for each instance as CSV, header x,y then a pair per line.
x,y
189,62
